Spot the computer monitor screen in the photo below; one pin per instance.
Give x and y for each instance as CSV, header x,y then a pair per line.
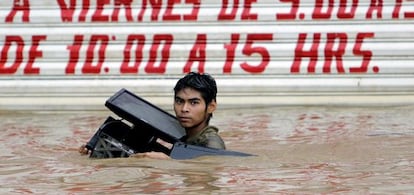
x,y
137,110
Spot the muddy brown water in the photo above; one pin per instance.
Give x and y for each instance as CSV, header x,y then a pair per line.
x,y
327,150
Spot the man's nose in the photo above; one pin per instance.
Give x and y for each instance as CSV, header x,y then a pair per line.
x,y
185,107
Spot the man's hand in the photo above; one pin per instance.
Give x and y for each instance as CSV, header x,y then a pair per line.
x,y
83,150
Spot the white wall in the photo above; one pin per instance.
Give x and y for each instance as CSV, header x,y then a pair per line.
x,y
64,54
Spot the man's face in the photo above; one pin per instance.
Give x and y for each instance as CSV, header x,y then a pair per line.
x,y
190,108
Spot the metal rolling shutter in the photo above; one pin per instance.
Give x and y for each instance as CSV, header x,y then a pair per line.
x,y
73,54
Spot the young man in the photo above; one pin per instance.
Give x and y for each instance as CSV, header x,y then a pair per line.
x,y
194,104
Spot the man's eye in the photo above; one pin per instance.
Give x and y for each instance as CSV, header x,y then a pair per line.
x,y
179,101
195,102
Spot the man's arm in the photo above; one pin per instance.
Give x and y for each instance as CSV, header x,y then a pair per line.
x,y
153,155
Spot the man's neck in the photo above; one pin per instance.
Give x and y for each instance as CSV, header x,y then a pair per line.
x,y
196,129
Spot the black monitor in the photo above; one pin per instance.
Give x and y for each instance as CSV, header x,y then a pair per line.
x,y
139,111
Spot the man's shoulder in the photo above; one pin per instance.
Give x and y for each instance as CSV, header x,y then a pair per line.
x,y
210,130
211,137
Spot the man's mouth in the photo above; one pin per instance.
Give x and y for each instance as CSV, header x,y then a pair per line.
x,y
184,119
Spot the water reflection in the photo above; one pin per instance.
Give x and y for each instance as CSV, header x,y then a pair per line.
x,y
299,150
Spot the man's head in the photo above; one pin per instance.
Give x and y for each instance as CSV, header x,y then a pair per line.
x,y
204,83
195,99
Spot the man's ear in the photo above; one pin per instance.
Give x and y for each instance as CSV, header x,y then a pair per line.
x,y
211,106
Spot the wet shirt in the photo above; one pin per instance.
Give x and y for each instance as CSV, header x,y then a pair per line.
x,y
208,137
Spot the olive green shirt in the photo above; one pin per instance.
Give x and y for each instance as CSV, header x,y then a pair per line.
x,y
208,137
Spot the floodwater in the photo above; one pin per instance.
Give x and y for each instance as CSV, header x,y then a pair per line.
x,y
311,150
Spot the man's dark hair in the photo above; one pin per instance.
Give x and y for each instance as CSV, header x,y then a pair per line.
x,y
204,83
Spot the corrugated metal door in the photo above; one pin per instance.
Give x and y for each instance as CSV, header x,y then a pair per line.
x,y
73,54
